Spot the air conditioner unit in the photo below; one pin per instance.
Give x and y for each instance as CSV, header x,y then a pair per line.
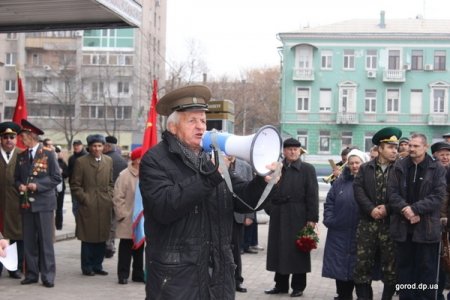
x,y
407,67
47,67
429,67
371,74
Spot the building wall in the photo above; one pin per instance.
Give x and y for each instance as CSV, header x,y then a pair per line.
x,y
356,121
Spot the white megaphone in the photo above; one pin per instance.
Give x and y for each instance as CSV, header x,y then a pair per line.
x,y
259,149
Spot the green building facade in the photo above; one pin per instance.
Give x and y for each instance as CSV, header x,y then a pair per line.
x,y
343,82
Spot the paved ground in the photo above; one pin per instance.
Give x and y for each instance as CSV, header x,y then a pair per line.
x,y
70,284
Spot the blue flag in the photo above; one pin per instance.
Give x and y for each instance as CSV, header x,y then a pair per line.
x,y
138,219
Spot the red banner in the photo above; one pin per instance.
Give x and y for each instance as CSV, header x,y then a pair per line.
x,y
20,112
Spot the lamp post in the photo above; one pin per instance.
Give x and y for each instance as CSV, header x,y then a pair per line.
x,y
244,115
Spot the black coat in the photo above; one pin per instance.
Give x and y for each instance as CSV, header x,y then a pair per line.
x,y
188,224
292,204
431,196
119,164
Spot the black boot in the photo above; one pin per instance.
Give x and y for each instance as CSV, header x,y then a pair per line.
x,y
364,291
388,291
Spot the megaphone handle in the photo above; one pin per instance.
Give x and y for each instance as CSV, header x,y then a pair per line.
x,y
216,164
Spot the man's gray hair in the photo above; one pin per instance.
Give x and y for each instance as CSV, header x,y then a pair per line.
x,y
421,136
173,118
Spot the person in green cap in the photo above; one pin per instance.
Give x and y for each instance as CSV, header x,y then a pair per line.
x,y
372,235
417,189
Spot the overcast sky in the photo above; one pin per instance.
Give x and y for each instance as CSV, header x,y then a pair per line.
x,y
235,35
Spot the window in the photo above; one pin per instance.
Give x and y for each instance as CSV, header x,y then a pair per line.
x,y
349,59
109,38
325,100
302,137
125,60
10,86
370,101
439,99
11,36
416,102
417,60
368,141
394,60
324,141
393,100
123,87
36,59
37,86
97,90
302,99
371,59
346,139
96,112
327,59
439,60
9,112
10,59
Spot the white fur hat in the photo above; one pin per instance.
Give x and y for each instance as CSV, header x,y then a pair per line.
x,y
355,152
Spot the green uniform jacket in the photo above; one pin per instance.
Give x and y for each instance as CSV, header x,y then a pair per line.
x,y
92,185
9,199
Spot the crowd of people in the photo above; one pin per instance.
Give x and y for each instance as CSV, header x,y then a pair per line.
x,y
384,212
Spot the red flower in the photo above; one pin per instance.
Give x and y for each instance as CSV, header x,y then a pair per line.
x,y
307,239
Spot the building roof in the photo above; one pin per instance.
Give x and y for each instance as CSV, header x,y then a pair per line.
x,y
371,27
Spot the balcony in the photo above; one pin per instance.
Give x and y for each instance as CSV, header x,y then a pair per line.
x,y
346,118
52,44
394,75
303,74
438,119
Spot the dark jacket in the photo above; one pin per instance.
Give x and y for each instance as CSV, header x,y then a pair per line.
x,y
188,224
365,188
71,162
292,204
119,164
44,172
64,172
341,217
431,196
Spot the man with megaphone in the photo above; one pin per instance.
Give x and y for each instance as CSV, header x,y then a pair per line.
x,y
188,207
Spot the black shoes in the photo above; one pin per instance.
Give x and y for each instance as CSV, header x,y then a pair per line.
x,y
274,291
250,251
88,273
48,284
138,279
123,281
240,288
101,272
296,293
15,274
28,281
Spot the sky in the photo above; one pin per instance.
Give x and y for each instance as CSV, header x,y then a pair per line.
x,y
236,35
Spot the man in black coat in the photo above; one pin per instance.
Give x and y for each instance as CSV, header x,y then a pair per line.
x,y
416,193
119,164
293,205
188,208
78,151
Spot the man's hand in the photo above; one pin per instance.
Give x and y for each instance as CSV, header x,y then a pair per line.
x,y
3,245
377,213
408,213
415,219
23,188
248,222
275,176
32,187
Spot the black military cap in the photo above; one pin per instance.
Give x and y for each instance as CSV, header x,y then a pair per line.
x,y
9,128
77,142
440,146
192,97
389,135
95,138
111,139
403,139
28,127
447,135
291,142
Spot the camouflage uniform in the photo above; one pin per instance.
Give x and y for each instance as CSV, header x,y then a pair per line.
x,y
373,236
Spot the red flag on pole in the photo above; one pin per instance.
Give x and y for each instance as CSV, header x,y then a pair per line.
x,y
20,112
150,137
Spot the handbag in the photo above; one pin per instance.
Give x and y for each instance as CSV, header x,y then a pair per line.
x,y
445,252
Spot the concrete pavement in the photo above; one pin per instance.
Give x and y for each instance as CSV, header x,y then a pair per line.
x,y
71,284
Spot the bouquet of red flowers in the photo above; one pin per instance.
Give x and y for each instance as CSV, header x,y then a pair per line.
x,y
307,239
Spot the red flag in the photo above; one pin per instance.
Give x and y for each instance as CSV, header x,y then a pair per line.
x,y
20,112
150,137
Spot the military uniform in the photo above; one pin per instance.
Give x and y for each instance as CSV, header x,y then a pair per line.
x,y
372,235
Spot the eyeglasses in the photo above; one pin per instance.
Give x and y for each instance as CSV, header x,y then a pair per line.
x,y
11,137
